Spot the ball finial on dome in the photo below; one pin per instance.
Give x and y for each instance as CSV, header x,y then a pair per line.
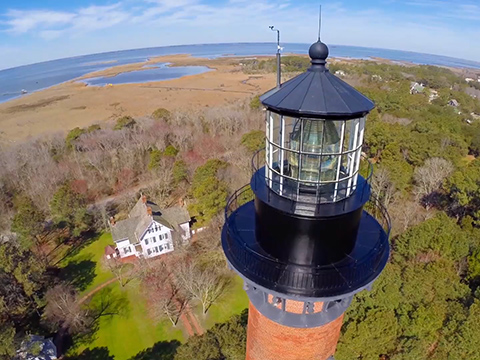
x,y
318,52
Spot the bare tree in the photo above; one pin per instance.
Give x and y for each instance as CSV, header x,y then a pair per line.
x,y
383,187
429,178
119,269
64,309
205,285
166,299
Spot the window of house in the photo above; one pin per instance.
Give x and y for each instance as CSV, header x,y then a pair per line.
x,y
156,249
154,239
146,241
162,236
166,236
167,246
126,250
161,248
149,251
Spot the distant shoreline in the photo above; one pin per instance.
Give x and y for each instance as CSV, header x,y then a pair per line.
x,y
73,104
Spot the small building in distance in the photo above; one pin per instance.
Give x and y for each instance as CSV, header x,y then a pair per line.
x,y
433,95
340,73
453,103
416,88
149,231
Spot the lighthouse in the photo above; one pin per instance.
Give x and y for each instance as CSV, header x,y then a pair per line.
x,y
313,236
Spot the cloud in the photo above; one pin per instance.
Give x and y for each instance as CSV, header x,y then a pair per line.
x,y
50,24
428,26
20,22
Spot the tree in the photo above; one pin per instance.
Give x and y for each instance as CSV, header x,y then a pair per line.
x,y
221,342
70,207
179,172
383,188
65,310
22,282
429,178
121,270
463,188
155,159
203,347
209,192
167,299
205,285
28,221
7,335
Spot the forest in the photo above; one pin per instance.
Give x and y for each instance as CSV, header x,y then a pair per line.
x,y
426,304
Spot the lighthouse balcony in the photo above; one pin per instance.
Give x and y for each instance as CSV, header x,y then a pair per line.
x,y
356,268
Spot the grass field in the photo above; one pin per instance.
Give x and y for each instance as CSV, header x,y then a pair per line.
x,y
132,330
232,302
84,268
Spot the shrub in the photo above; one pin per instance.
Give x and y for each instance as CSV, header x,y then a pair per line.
x,y
254,140
255,103
162,114
94,127
124,122
170,150
73,135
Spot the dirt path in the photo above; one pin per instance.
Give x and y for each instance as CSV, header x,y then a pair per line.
x,y
97,289
194,320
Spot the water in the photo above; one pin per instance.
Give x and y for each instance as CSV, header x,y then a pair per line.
x,y
156,72
43,75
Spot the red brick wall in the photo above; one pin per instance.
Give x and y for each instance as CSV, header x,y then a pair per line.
x,y
267,340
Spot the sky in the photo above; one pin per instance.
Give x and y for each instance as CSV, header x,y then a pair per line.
x,y
39,30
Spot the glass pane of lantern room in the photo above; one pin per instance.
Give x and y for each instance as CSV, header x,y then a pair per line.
x,y
276,128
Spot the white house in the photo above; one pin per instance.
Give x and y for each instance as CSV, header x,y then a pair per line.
x,y
416,88
149,231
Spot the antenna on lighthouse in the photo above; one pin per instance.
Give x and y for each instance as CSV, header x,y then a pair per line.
x,y
279,61
319,22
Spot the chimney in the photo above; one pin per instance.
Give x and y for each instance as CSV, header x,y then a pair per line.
x,y
112,221
149,210
144,199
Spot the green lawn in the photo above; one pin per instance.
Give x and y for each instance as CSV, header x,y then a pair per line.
x,y
132,330
233,302
85,266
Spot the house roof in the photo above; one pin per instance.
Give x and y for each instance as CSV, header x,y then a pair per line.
x,y
109,250
176,215
140,219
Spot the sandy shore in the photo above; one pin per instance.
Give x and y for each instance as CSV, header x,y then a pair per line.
x,y
72,104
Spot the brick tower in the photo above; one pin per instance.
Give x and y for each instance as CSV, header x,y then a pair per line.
x,y
313,236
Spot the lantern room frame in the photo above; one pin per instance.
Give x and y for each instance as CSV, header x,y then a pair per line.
x,y
344,161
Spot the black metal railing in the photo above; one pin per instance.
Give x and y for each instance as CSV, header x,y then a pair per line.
x,y
307,280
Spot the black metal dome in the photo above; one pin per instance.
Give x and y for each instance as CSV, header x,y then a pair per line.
x,y
318,51
317,93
